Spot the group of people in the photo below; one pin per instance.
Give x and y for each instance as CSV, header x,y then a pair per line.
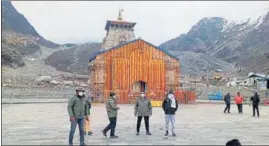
x,y
142,109
239,102
79,111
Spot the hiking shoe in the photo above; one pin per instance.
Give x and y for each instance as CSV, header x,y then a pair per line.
x,y
89,133
166,133
148,133
114,136
104,133
174,134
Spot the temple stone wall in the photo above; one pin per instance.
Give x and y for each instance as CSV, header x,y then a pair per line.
x,y
115,36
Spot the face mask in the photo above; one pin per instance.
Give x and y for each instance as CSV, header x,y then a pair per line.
x,y
142,95
80,93
114,96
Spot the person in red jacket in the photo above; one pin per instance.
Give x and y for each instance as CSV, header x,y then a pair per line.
x,y
239,101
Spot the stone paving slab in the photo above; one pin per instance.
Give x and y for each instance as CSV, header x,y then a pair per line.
x,y
48,124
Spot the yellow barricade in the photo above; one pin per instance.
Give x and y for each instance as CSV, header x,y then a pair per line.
x,y
160,103
96,104
156,103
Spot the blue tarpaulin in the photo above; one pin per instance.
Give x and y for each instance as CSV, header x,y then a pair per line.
x,y
215,95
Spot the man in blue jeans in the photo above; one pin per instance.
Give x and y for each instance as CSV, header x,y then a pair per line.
x,y
77,110
170,106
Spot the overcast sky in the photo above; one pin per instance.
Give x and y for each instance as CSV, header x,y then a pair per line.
x,y
157,22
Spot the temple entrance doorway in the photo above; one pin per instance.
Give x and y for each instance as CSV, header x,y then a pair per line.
x,y
139,86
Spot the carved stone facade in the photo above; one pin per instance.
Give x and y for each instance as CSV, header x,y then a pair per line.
x,y
116,36
118,32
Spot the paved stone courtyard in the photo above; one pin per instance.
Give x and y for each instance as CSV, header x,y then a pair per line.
x,y
48,124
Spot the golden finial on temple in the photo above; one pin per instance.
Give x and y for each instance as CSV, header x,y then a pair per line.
x,y
120,14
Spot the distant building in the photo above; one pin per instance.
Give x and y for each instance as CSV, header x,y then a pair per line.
x,y
256,80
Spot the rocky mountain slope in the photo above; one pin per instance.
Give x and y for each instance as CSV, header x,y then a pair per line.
x,y
235,43
75,59
16,46
23,52
199,63
213,43
14,21
19,38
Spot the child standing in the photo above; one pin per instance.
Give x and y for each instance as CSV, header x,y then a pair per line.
x,y
87,127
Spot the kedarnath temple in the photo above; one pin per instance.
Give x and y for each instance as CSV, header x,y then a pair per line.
x,y
126,66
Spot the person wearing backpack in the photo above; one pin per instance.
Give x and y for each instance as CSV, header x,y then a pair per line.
x,y
170,106
142,109
227,99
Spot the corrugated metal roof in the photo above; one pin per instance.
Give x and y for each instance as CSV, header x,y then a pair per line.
x,y
258,75
116,47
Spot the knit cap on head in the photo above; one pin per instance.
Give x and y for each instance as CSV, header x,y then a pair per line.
x,y
80,89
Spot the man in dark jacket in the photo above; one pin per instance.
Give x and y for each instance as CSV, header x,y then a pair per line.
x,y
112,112
77,110
227,99
170,107
255,104
142,109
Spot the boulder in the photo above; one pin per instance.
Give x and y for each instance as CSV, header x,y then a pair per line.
x,y
83,85
45,79
76,82
68,83
54,82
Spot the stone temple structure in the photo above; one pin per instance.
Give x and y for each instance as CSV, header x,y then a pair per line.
x,y
118,32
126,66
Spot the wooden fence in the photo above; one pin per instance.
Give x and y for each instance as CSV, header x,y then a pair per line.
x,y
126,97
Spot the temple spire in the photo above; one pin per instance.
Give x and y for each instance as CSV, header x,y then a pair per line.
x,y
120,14
118,32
